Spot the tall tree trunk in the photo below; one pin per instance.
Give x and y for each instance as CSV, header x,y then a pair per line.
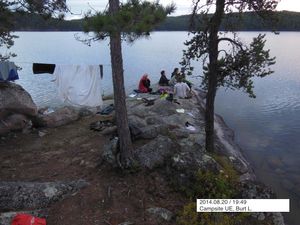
x,y
214,27
119,92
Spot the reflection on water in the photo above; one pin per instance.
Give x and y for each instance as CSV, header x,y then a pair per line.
x,y
267,128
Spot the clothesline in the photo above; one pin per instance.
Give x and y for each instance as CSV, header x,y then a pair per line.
x,y
24,62
78,85
8,70
39,68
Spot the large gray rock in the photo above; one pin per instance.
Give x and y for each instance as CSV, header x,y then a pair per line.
x,y
35,195
191,162
180,133
57,118
109,130
15,122
135,126
154,153
136,121
163,108
139,110
111,152
179,119
151,132
193,143
191,158
152,120
15,100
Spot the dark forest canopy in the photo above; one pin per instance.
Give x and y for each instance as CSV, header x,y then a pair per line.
x,y
286,21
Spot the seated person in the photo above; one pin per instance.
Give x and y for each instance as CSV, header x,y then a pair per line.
x,y
163,81
144,85
181,89
182,75
173,81
178,74
175,72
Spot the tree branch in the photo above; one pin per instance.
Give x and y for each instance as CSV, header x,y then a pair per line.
x,y
232,42
222,50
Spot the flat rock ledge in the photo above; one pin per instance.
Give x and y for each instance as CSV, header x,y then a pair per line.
x,y
173,137
169,140
35,195
154,153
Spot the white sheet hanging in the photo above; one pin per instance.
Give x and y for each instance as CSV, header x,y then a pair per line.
x,y
79,85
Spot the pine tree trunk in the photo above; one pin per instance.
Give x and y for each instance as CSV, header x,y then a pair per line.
x,y
119,93
213,74
210,111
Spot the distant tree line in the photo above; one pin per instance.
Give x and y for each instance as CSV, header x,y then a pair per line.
x,y
35,22
284,21
247,21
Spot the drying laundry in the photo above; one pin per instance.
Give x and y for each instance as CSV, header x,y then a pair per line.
x,y
79,85
8,71
101,71
38,68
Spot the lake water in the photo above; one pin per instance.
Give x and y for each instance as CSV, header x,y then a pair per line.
x,y
267,128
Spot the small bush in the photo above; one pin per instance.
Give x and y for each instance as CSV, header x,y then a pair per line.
x,y
210,185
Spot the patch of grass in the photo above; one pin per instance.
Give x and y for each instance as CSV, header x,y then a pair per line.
x,y
207,184
228,168
212,185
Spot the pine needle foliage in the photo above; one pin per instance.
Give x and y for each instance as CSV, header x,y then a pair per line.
x,y
233,66
134,19
9,9
6,38
237,63
237,70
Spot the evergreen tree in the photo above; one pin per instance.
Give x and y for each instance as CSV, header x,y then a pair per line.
x,y
232,67
128,21
11,8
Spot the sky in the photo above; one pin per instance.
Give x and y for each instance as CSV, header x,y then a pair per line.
x,y
78,7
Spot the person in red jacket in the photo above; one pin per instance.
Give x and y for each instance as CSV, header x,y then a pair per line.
x,y
144,85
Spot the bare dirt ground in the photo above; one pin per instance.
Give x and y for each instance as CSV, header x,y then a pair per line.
x,y
73,152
